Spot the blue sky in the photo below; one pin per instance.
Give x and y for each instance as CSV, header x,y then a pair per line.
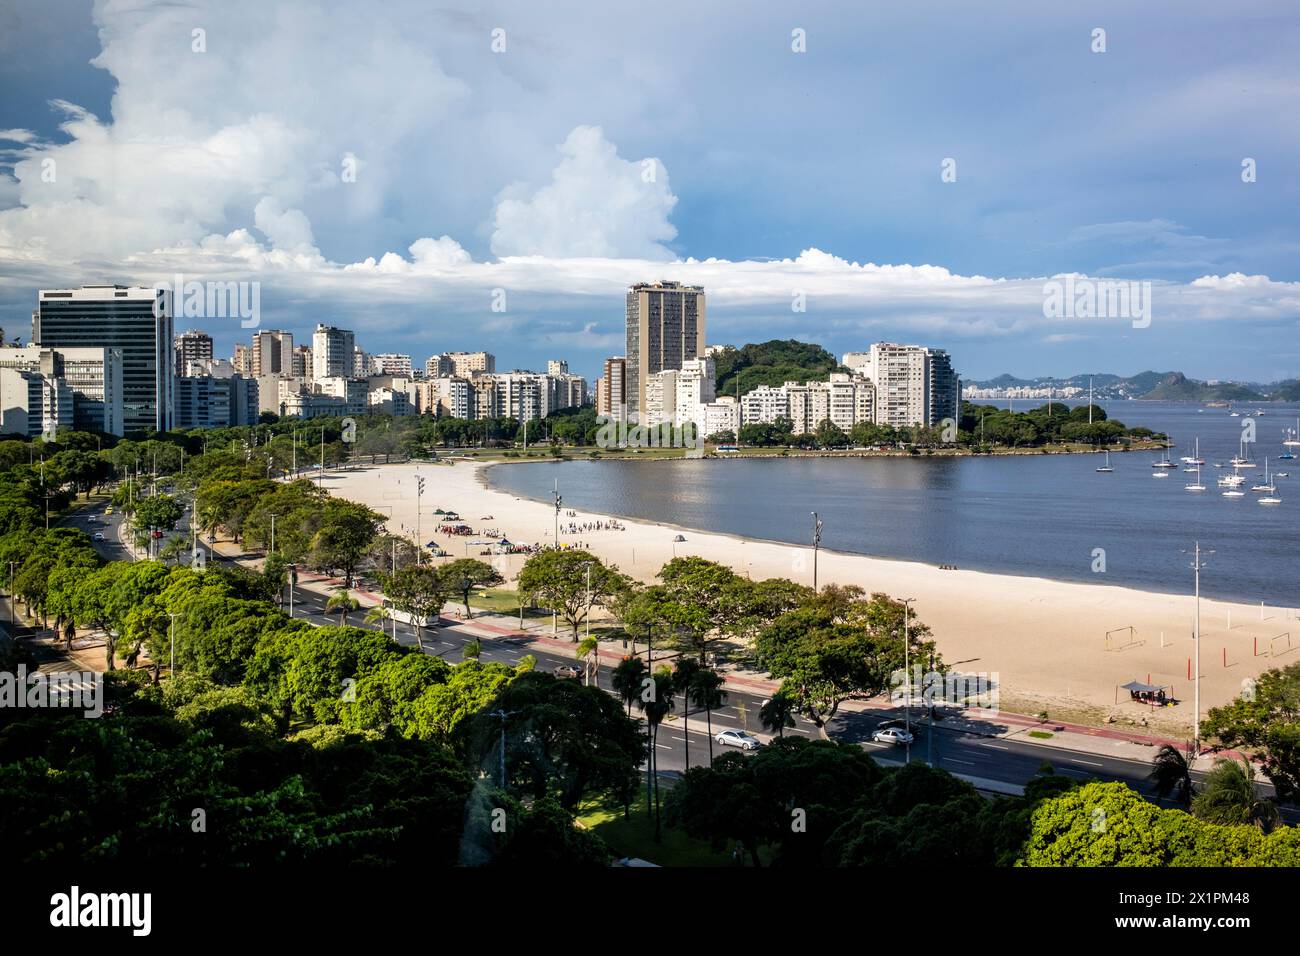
x,y
772,173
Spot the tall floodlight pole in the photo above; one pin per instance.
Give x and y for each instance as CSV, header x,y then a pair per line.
x,y
273,517
1197,564
817,540
419,490
321,482
558,501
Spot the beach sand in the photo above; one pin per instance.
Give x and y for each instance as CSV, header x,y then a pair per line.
x,y
1042,643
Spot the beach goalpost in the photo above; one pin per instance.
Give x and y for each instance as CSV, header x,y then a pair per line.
x,y
1115,638
1279,644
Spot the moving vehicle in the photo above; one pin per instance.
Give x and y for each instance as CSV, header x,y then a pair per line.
x,y
892,735
567,670
738,738
98,536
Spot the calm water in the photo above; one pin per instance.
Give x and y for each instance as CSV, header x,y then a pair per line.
x,y
1032,515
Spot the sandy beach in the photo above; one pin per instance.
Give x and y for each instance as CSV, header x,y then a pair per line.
x,y
1043,643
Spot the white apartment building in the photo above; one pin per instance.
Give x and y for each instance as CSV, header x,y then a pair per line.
x,y
389,401
764,404
695,388
392,363
914,385
724,415
661,398
93,375
332,352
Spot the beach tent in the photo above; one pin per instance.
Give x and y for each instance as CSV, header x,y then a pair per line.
x,y
1137,687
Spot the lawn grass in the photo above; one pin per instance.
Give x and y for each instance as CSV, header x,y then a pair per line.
x,y
503,601
635,837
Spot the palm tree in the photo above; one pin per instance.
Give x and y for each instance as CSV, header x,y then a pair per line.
x,y
706,693
1229,797
627,679
685,674
588,651
777,713
344,603
1170,773
381,613
656,708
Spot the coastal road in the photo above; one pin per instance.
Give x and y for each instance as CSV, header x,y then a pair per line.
x,y
995,763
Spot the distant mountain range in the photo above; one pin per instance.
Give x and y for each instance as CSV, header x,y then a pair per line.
x,y
1152,386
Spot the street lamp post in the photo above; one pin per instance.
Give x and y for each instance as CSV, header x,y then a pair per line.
x,y
503,714
273,517
817,540
907,676
586,619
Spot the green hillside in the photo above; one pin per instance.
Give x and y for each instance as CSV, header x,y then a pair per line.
x,y
1176,387
771,363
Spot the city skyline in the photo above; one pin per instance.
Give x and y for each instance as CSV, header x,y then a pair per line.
x,y
933,217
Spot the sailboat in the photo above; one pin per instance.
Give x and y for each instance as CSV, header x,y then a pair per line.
x,y
1197,486
1106,469
1164,462
1292,442
1240,460
1267,484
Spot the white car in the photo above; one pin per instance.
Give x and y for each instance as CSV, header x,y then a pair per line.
x,y
738,738
892,735
99,536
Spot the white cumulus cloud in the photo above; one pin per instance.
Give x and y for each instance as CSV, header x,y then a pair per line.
x,y
597,204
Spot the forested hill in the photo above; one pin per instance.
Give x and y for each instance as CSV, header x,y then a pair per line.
x,y
771,363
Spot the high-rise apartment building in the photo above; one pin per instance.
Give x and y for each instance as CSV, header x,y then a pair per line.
x,y
392,363
191,345
332,352
914,385
301,366
611,395
665,329
438,366
242,360
469,364
138,321
272,353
